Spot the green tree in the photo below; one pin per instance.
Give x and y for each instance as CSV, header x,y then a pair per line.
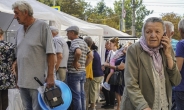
x,y
174,18
141,13
73,7
101,14
48,2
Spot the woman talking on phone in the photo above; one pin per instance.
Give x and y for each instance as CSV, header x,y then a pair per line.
x,y
150,70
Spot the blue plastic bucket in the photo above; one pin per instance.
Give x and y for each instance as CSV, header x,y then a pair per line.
x,y
66,95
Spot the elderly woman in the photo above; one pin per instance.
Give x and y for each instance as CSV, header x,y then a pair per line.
x,y
150,70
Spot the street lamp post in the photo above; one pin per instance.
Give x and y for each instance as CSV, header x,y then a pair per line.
x,y
122,16
54,2
133,17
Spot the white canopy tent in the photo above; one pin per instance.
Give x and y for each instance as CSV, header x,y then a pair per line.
x,y
109,31
59,19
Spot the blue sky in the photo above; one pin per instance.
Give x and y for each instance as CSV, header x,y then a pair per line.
x,y
164,6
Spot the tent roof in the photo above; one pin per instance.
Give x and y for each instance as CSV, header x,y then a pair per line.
x,y
109,31
61,20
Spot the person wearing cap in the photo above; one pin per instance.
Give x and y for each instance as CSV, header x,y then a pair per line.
x,y
35,54
77,62
62,52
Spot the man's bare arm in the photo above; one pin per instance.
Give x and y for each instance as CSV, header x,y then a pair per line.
x,y
59,59
77,55
89,58
179,61
50,74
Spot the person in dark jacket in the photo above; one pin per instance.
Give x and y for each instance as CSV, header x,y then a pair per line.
x,y
97,77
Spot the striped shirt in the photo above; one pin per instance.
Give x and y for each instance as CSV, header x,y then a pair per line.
x,y
81,44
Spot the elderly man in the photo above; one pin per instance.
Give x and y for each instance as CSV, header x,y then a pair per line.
x,y
62,53
77,62
169,29
179,90
89,72
35,54
170,32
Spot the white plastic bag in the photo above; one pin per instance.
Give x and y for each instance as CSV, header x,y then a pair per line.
x,y
14,100
41,90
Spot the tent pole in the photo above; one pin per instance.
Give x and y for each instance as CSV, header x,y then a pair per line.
x,y
8,28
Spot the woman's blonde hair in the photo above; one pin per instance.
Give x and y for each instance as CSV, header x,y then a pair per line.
x,y
116,41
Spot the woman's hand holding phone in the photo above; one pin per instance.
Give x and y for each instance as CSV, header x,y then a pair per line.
x,y
165,41
167,51
164,34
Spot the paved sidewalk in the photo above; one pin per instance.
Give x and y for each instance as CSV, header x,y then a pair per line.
x,y
99,104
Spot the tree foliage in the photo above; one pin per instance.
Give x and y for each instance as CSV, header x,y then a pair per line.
x,y
174,18
141,13
73,7
47,2
101,14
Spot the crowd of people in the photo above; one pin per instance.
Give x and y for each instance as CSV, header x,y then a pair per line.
x,y
152,72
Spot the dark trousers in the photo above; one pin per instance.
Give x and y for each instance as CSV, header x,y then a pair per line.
x,y
173,100
109,96
179,99
3,99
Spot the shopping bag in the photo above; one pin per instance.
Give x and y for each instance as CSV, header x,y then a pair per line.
x,y
52,96
116,78
14,100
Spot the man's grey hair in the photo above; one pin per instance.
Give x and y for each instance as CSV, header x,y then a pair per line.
x,y
170,24
1,32
88,41
54,29
181,25
23,6
153,20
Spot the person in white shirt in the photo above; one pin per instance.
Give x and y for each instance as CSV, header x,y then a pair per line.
x,y
62,53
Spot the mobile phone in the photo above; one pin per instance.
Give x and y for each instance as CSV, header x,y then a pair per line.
x,y
164,34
